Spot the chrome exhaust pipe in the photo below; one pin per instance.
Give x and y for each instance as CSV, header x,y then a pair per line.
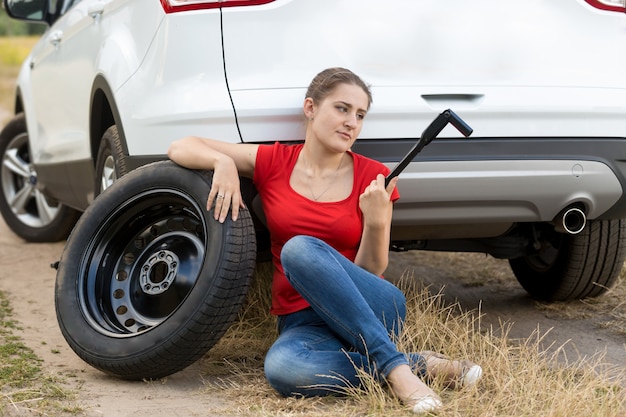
x,y
571,220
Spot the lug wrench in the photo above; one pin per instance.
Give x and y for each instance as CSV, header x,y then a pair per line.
x,y
430,133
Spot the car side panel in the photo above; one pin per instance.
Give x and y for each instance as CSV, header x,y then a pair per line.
x,y
62,75
180,88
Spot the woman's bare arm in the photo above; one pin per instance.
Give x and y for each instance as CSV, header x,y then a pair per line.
x,y
227,160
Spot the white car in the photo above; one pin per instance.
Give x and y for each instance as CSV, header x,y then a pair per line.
x,y
112,82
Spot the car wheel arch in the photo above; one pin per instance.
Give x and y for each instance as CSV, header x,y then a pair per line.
x,y
19,101
103,114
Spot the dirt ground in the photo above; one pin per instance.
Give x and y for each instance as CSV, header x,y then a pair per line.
x,y
28,279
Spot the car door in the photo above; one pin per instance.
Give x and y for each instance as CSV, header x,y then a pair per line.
x,y
61,75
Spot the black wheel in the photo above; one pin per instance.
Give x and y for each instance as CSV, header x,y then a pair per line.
x,y
149,281
26,210
110,163
569,267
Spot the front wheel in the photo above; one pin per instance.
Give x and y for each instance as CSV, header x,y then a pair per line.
x,y
27,211
149,281
569,267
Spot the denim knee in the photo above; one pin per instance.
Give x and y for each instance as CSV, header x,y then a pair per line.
x,y
275,371
290,371
296,248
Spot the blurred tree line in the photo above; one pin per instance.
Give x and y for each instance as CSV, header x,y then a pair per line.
x,y
12,27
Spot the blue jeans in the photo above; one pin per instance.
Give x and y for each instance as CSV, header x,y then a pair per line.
x,y
353,317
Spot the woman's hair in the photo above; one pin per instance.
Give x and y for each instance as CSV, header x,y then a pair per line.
x,y
325,82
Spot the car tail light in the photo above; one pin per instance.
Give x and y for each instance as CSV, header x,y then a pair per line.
x,y
610,5
172,6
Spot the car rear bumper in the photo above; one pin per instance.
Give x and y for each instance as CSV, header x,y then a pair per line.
x,y
505,180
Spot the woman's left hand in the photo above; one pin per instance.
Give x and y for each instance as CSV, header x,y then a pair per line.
x,y
375,202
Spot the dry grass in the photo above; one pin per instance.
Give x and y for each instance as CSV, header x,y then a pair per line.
x,y
609,310
25,388
477,270
520,378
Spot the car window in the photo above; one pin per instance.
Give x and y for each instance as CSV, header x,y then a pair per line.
x,y
68,4
30,9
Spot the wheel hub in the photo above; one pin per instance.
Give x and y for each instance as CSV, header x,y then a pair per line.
x,y
158,272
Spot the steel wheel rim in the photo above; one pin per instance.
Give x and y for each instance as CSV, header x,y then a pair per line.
x,y
142,263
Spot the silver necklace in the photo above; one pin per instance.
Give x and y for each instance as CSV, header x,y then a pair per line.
x,y
330,183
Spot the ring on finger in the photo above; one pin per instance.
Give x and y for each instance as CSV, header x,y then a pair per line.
x,y
220,196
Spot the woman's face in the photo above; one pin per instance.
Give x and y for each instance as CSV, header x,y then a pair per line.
x,y
338,119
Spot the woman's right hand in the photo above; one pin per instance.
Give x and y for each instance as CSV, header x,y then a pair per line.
x,y
227,160
225,190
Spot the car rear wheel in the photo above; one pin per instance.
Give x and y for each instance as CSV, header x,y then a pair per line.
x,y
149,281
26,210
110,164
569,267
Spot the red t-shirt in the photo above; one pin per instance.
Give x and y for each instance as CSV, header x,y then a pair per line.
x,y
290,214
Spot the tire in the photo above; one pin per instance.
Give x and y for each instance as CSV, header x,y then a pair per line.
x,y
148,281
110,162
26,210
570,267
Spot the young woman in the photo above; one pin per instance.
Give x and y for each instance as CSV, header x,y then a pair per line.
x,y
329,216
